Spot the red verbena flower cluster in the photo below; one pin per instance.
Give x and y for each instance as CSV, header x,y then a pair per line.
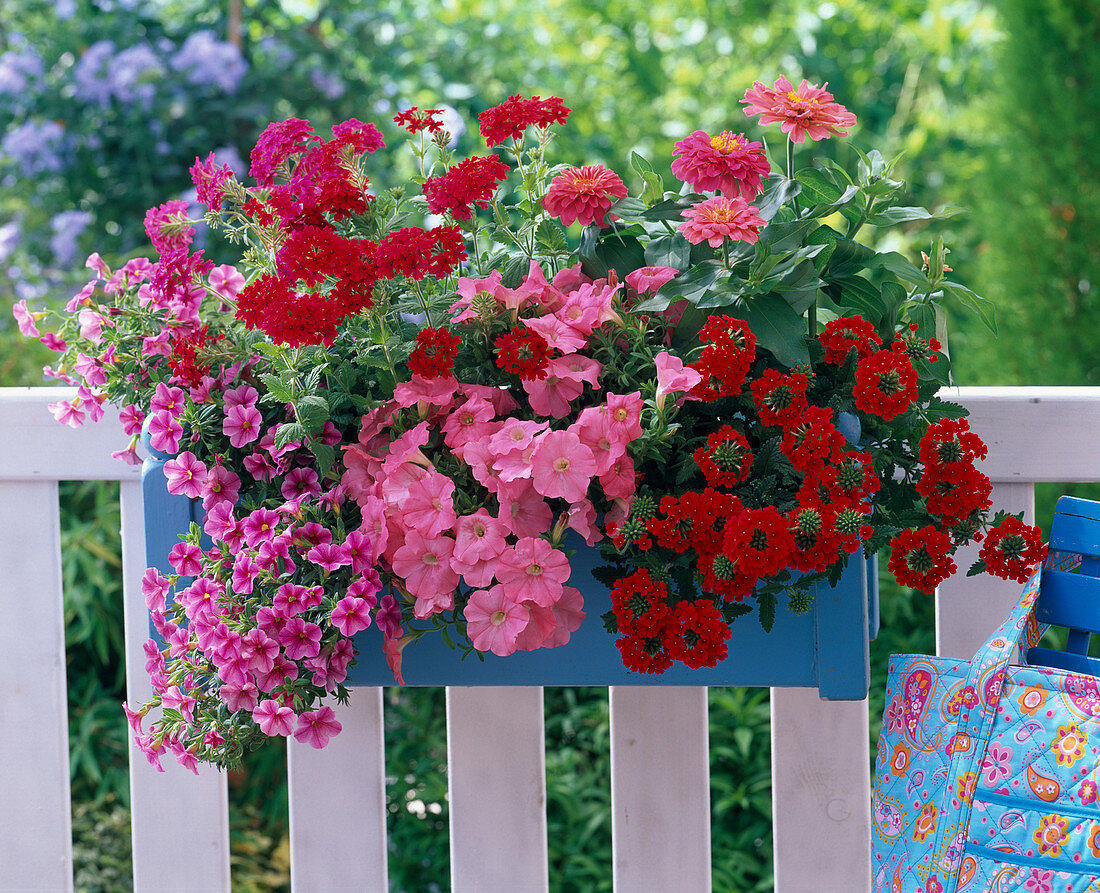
x,y
1013,549
434,353
523,352
513,116
726,359
472,181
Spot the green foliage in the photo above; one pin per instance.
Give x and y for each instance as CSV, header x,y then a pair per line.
x,y
101,847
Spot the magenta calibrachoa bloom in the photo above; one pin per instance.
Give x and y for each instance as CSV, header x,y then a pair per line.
x,y
397,426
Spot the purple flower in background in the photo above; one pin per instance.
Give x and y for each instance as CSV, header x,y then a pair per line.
x,y
9,238
327,84
64,9
203,59
18,68
133,73
67,227
90,73
36,146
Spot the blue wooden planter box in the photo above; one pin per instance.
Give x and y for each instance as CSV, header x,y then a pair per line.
x,y
825,648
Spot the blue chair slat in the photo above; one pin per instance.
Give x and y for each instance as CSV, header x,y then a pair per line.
x,y
1063,660
1070,600
1076,526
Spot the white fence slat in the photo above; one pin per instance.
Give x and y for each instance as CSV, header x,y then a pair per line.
x,y
342,786
35,446
821,793
174,805
36,851
660,788
496,774
969,609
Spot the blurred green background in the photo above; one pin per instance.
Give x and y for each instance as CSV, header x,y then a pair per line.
x,y
105,103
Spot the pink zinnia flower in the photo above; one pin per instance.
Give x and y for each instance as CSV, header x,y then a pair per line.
x,y
808,111
241,424
315,727
562,466
717,219
494,621
273,719
728,163
185,474
583,194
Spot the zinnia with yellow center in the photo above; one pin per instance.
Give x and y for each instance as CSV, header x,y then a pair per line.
x,y
728,163
717,219
583,193
808,111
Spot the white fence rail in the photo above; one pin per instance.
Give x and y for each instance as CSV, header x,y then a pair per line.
x,y
659,746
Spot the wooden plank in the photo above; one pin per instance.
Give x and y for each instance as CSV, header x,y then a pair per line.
x,y
968,609
1017,425
343,785
660,789
821,793
496,773
36,850
175,805
34,446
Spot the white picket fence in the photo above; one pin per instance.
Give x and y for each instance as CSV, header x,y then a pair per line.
x,y
659,747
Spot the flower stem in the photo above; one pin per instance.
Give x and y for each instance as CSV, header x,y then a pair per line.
x,y
811,311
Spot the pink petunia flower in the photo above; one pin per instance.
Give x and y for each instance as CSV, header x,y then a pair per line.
x,y
242,424
728,163
25,319
583,194
673,376
647,279
424,563
523,510
273,719
808,111
562,466
716,219
533,570
428,506
494,621
315,727
185,475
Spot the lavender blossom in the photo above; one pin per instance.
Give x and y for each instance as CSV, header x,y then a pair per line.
x,y
133,74
67,227
18,69
90,74
203,59
36,146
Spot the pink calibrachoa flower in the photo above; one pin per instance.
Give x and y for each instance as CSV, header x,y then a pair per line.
x,y
154,586
170,400
165,432
131,418
300,483
300,638
273,718
388,617
329,556
716,219
24,319
808,111
174,699
533,570
562,466
226,281
185,475
728,163
67,412
583,194
242,395
186,558
222,485
242,424
259,526
315,727
240,695
351,615
494,620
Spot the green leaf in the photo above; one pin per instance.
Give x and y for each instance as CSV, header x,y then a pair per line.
x,y
671,209
777,327
551,237
325,456
288,434
974,302
891,216
669,251
849,257
691,286
621,254
767,610
857,293
725,293
780,190
641,164
515,270
786,236
826,197
312,411
629,208
902,268
279,389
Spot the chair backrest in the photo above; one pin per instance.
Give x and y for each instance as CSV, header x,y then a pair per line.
x,y
1070,591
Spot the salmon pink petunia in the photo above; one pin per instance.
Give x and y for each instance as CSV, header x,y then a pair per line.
x,y
533,571
494,621
583,194
562,466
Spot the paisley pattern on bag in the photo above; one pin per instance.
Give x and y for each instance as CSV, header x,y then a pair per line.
x,y
986,775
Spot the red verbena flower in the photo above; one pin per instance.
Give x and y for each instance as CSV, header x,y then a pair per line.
x,y
758,541
808,111
357,135
513,116
286,315
812,441
523,352
780,398
727,358
584,194
886,383
954,493
846,333
185,360
728,163
816,542
472,181
697,634
1013,549
415,253
434,353
921,559
279,140
716,219
414,120
726,459
950,442
640,604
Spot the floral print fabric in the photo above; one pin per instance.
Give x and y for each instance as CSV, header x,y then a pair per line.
x,y
986,776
